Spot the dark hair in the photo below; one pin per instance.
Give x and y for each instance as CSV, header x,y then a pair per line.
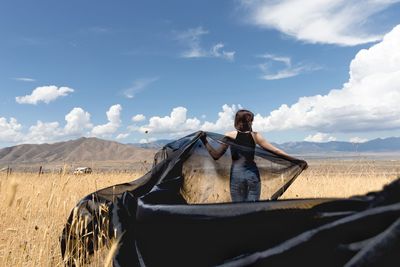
x,y
243,120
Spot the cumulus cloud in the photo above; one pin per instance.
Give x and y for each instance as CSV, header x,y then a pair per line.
x,y
78,121
44,132
369,101
319,138
77,124
10,130
176,123
139,85
191,38
114,122
225,120
44,94
341,22
280,67
138,118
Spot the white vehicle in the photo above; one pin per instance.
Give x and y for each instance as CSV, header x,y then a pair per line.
x,y
82,170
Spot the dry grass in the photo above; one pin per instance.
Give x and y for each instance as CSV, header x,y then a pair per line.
x,y
343,178
33,209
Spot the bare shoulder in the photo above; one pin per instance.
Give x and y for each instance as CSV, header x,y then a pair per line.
x,y
231,134
256,135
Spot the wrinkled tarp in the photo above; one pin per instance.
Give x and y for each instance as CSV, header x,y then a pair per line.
x,y
156,226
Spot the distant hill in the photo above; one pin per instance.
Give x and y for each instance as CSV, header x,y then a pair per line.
x,y
79,150
155,144
391,144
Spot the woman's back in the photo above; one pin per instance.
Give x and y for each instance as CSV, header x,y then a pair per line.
x,y
245,149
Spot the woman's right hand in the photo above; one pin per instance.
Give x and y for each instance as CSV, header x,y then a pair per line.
x,y
203,137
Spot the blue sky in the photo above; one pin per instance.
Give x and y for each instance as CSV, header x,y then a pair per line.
x,y
86,68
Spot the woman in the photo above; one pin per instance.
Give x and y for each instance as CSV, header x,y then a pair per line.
x,y
245,184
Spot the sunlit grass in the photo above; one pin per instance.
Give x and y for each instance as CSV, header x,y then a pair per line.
x,y
34,209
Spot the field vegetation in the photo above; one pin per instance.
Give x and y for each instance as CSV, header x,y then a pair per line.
x,y
33,208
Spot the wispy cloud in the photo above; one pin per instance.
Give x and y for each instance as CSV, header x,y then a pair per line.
x,y
341,22
191,38
33,41
24,79
281,67
216,51
139,85
99,30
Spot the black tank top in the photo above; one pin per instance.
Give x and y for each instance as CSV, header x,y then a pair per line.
x,y
246,149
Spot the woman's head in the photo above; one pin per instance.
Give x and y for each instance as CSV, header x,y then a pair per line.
x,y
243,120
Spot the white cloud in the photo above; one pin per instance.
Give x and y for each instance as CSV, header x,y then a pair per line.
x,y
44,132
114,122
138,118
44,94
284,66
225,121
216,51
176,123
192,39
133,128
98,30
122,136
358,140
78,121
147,140
319,138
10,130
24,79
342,22
139,85
369,101
77,124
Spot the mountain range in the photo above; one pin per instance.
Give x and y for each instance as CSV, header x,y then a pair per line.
x,y
391,144
95,149
78,150
379,145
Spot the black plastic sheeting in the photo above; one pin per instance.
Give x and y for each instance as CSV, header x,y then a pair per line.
x,y
155,225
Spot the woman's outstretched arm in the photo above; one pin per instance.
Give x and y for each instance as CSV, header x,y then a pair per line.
x,y
262,142
215,153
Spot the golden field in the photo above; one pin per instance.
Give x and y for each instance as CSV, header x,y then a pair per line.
x,y
34,209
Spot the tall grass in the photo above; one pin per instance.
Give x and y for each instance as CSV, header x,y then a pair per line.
x,y
33,210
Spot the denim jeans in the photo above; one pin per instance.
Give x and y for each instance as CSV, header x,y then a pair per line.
x,y
245,182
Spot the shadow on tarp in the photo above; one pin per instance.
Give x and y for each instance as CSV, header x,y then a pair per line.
x,y
156,222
